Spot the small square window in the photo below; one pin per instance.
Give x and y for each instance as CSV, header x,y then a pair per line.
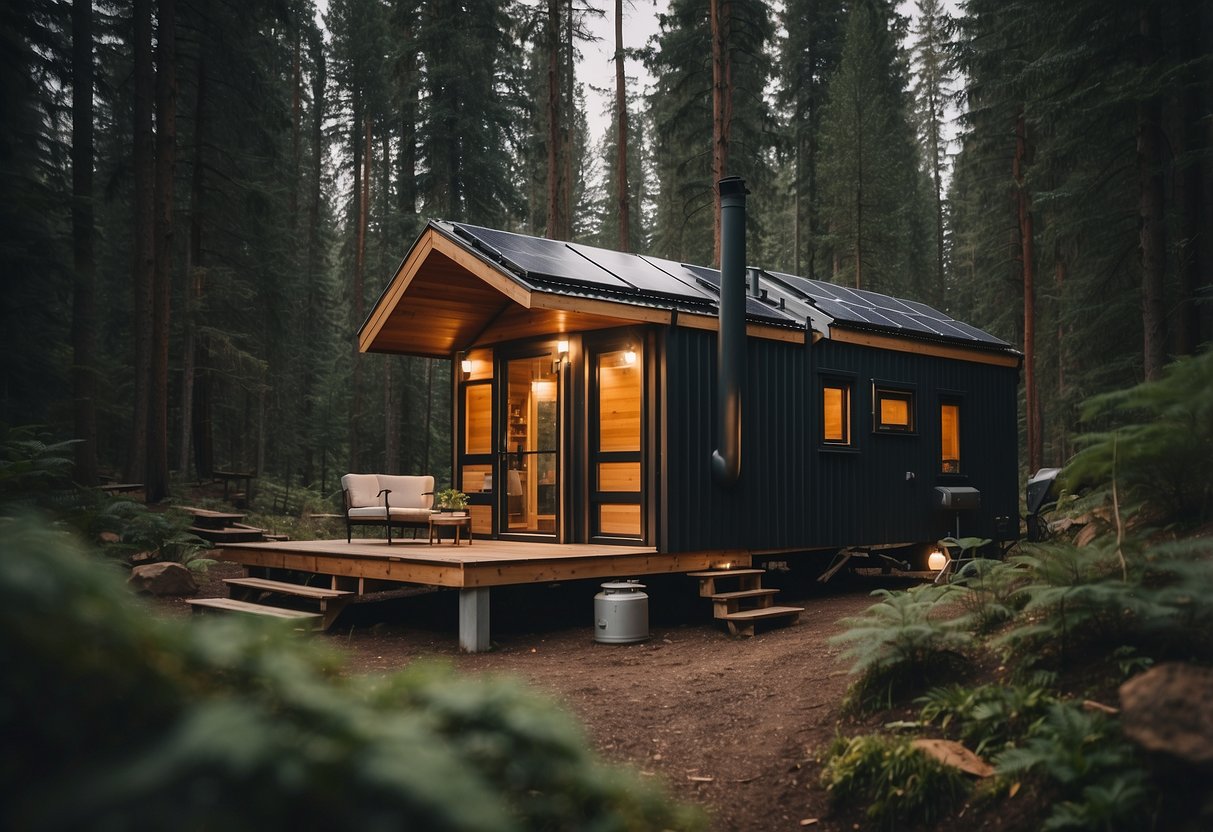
x,y
836,413
894,411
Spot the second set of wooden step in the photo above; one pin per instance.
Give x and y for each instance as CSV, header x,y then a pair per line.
x,y
740,601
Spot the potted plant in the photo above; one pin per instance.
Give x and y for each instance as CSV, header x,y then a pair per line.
x,y
451,500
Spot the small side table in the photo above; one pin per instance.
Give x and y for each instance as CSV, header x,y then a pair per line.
x,y
456,521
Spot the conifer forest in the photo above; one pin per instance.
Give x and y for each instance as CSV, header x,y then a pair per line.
x,y
202,200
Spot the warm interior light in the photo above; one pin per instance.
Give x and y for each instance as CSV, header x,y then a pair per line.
x,y
937,560
562,348
467,366
629,357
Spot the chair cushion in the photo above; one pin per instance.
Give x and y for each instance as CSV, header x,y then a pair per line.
x,y
408,492
363,490
372,512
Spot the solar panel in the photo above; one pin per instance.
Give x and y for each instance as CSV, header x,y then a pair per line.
x,y
859,306
544,259
643,275
790,299
754,307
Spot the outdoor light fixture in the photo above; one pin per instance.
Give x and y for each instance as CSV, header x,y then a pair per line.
x,y
466,366
937,560
562,355
629,357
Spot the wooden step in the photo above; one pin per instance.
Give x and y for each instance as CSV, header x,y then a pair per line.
x,y
331,601
747,579
207,519
725,573
232,605
745,593
742,622
725,603
287,588
228,535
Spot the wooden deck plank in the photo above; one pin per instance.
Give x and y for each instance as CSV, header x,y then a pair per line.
x,y
488,563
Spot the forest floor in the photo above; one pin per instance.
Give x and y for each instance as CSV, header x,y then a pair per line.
x,y
735,725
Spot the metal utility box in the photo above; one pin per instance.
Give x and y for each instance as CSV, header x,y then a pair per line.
x,y
957,498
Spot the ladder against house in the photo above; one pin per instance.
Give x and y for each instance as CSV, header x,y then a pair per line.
x,y
739,600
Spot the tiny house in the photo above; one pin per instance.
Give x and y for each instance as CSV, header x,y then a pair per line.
x,y
603,397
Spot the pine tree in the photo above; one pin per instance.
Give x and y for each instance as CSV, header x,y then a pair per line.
x,y
870,166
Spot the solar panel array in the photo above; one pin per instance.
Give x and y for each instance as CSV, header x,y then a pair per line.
x,y
784,299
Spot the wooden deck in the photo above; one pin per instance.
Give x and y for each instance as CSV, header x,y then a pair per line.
x,y
486,563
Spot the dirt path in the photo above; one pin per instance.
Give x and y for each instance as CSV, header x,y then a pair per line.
x,y
734,725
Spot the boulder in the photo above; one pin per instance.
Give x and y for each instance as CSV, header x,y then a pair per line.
x,y
1168,711
163,579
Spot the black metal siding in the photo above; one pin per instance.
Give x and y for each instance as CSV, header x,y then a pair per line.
x,y
794,494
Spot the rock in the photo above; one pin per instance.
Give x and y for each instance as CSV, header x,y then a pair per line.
x,y
109,537
1167,710
163,579
143,557
955,755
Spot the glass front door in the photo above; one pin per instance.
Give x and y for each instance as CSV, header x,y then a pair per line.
x,y
528,452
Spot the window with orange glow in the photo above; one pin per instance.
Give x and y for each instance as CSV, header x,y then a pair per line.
x,y
949,421
836,413
894,411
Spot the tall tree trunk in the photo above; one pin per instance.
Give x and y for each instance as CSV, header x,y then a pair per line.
x,y
143,170
721,12
362,190
296,118
1151,206
166,145
1190,187
555,187
84,303
1027,255
312,313
568,125
194,274
621,136
859,183
1062,452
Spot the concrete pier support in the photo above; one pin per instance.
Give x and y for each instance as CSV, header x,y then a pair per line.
x,y
474,620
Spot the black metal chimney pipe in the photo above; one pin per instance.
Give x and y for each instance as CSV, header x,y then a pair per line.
x,y
730,342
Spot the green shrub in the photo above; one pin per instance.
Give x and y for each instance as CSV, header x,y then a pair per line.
x,y
1099,781
1077,598
114,719
990,717
1155,443
901,643
995,592
898,783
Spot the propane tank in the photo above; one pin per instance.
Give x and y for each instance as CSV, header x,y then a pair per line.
x,y
621,613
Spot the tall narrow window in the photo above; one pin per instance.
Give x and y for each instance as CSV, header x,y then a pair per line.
x,y
949,444
836,413
894,411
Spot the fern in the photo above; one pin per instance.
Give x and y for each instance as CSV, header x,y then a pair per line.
x,y
898,783
1101,781
991,717
898,643
1158,442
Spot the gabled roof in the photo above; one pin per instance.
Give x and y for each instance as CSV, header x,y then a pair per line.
x,y
594,287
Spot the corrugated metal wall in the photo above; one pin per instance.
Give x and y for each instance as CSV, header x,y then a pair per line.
x,y
794,493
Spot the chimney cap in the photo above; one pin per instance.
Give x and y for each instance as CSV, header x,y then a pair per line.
x,y
732,186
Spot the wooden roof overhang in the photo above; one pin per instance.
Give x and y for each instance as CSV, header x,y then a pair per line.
x,y
445,298
449,295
